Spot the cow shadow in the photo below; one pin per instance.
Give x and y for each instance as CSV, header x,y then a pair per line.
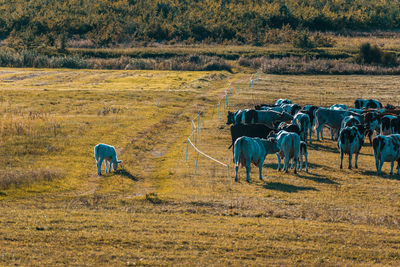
x,y
288,188
384,176
323,147
126,174
317,178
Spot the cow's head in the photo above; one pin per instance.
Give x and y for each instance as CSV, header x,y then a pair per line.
x,y
231,118
115,164
284,116
271,145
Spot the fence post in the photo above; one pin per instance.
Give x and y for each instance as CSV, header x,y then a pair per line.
x,y
238,89
219,103
226,99
198,122
197,160
187,149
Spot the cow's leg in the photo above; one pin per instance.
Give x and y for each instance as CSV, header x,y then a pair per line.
x,y
391,167
301,162
356,161
279,161
318,130
296,162
398,166
380,166
306,159
99,163
286,165
260,167
350,157
236,172
109,167
310,130
341,158
106,164
248,170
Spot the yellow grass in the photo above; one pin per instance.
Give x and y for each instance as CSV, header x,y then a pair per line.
x,y
155,211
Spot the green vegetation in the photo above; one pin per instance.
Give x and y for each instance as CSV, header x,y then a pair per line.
x,y
154,211
101,23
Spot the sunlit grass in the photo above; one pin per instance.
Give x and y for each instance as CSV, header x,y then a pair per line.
x,y
154,211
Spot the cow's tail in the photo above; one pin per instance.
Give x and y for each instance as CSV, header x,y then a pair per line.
x,y
96,153
237,152
376,146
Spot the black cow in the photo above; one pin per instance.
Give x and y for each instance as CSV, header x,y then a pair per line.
x,y
249,130
367,103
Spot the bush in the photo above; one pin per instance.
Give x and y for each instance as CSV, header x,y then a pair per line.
x,y
278,36
302,40
369,54
321,40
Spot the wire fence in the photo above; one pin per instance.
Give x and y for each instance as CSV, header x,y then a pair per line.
x,y
192,140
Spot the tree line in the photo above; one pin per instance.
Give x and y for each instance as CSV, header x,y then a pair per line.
x,y
34,23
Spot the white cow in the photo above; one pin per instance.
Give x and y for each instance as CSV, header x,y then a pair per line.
x,y
248,150
108,153
289,148
386,149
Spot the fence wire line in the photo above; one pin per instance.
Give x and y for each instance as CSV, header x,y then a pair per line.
x,y
194,125
204,154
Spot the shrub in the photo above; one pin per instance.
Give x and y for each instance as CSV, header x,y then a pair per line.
x,y
322,40
369,54
278,36
302,40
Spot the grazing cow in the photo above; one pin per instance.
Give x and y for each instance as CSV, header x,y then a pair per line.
x,y
249,130
281,101
303,152
303,121
292,109
350,141
105,152
372,122
269,117
248,150
339,107
274,108
387,149
389,124
367,103
289,148
242,116
350,121
357,110
288,127
332,118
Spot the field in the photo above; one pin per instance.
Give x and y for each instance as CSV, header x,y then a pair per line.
x,y
55,210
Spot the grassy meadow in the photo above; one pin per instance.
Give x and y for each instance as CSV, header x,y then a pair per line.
x,y
55,210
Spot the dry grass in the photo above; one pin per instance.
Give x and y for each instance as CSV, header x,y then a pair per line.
x,y
154,211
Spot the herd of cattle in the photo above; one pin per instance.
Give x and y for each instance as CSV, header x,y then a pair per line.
x,y
285,128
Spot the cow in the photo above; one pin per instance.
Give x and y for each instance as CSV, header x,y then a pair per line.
x,y
242,116
350,121
249,150
292,109
332,118
389,124
289,148
339,107
108,153
249,130
288,127
367,103
303,152
270,117
277,109
350,141
372,122
303,121
281,101
386,149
